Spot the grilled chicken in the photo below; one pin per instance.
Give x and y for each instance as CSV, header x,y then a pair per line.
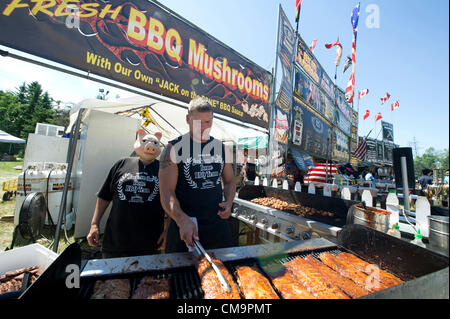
x,y
285,206
152,288
211,285
253,284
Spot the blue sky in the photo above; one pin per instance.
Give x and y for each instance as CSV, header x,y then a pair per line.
x,y
407,56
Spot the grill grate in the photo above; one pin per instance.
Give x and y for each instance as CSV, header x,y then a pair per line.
x,y
185,282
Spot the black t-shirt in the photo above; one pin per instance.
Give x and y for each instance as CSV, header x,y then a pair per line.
x,y
137,218
199,188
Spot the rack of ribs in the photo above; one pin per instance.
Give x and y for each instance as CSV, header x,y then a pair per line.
x,y
111,289
347,270
313,280
385,277
152,288
253,284
345,284
287,284
210,283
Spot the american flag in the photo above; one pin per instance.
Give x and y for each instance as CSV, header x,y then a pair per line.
x,y
349,91
313,45
363,93
384,99
395,105
360,152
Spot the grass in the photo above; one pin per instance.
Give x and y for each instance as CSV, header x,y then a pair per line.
x,y
8,172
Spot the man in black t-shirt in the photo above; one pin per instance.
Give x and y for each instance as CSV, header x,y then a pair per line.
x,y
136,221
193,168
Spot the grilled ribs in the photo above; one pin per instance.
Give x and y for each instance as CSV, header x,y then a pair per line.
x,y
313,280
152,288
287,284
384,277
345,284
111,289
253,284
211,285
347,270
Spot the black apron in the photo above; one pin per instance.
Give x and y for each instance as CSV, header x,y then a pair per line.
x,y
199,192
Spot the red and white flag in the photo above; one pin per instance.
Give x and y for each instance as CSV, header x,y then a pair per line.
x,y
360,152
350,90
338,50
366,114
395,105
363,93
384,99
313,45
378,117
297,9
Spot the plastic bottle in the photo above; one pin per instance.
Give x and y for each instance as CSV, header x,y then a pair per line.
x,y
418,239
395,231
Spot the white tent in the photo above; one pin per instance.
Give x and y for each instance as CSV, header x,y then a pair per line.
x,y
171,117
8,138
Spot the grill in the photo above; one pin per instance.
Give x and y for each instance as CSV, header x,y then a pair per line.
x,y
425,273
286,225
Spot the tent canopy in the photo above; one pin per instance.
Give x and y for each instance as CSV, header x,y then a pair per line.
x,y
8,138
170,118
254,142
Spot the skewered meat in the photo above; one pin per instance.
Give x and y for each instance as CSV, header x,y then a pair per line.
x,y
253,284
111,289
285,206
287,284
345,284
211,285
385,277
347,270
313,280
152,288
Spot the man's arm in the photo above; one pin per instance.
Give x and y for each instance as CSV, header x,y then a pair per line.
x,y
229,187
100,209
168,176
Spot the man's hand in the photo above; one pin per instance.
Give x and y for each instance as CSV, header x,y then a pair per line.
x,y
93,235
188,231
225,210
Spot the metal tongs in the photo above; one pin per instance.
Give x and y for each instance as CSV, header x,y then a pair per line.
x,y
201,251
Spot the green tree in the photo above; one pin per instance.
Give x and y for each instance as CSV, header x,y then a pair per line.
x,y
431,159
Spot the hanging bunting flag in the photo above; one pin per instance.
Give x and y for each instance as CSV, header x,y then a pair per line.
x,y
347,64
384,99
313,45
378,117
349,91
363,93
366,114
297,8
338,50
395,105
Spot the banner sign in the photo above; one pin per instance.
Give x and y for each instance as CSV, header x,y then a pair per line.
x,y
285,53
342,104
313,135
388,131
371,153
354,118
380,151
313,96
312,67
141,44
281,126
388,155
342,123
340,147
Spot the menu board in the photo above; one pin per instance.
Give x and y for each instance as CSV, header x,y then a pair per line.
x,y
371,153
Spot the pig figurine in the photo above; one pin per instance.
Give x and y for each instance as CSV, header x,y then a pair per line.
x,y
147,146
